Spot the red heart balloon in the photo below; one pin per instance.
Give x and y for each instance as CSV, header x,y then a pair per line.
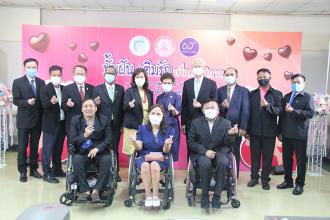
x,y
230,41
285,51
82,57
94,45
72,46
268,56
287,75
249,53
40,42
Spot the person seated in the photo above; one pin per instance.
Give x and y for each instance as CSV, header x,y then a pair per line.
x,y
209,140
90,134
153,142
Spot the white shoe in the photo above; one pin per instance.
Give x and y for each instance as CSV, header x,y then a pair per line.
x,y
148,202
155,202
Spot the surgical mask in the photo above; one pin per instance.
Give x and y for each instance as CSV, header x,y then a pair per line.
x,y
79,79
230,80
140,81
109,78
31,72
155,120
167,87
297,87
198,71
55,80
211,113
263,82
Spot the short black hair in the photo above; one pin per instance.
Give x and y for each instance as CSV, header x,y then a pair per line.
x,y
111,66
80,66
88,99
298,75
28,60
135,73
167,76
264,70
54,68
236,71
208,101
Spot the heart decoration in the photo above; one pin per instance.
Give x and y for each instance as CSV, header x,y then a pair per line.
x,y
230,41
287,75
285,51
72,46
94,45
39,42
249,53
82,57
268,56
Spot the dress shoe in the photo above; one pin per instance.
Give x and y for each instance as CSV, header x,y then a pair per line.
x,y
252,183
205,202
35,174
23,177
95,198
60,173
50,179
298,190
265,186
216,202
284,185
83,197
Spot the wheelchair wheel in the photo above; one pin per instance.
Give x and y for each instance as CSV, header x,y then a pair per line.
x,y
67,198
128,203
171,174
167,205
190,202
234,172
235,203
109,200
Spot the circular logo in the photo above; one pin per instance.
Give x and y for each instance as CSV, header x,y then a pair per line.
x,y
164,46
139,45
189,47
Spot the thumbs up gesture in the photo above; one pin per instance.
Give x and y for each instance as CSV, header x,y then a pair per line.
x,y
54,100
233,130
132,103
169,140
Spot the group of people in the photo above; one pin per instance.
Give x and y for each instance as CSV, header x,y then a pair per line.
x,y
213,119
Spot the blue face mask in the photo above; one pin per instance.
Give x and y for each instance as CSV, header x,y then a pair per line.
x,y
297,87
31,72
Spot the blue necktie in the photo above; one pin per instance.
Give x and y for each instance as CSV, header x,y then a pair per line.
x,y
293,95
33,86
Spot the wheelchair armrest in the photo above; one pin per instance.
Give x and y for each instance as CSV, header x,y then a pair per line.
x,y
71,149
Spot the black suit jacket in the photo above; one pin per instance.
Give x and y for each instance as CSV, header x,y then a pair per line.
x,y
71,91
134,116
263,121
108,107
207,92
101,137
28,116
200,139
51,116
295,124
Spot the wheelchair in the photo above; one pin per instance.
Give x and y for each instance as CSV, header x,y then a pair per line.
x,y
72,186
166,188
193,183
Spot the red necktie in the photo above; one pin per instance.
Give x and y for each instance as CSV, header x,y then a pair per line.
x,y
82,94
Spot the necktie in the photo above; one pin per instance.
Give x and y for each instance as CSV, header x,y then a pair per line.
x,y
33,86
111,93
228,93
196,88
293,95
81,92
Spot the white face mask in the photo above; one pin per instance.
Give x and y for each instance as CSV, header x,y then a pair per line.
x,y
155,120
211,114
109,78
79,79
167,87
230,80
55,80
140,81
198,71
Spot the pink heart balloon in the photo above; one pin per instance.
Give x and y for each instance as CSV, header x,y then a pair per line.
x,y
39,42
268,56
249,53
287,75
285,51
230,41
72,46
82,57
94,45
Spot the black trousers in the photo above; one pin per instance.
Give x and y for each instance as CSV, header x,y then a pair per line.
x,y
26,136
237,152
261,148
115,141
204,170
80,165
298,147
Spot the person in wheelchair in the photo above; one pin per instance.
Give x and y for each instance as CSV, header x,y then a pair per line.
x,y
209,139
90,134
153,142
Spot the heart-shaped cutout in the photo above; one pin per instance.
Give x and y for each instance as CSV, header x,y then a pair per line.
x,y
72,46
39,42
249,53
94,45
285,51
288,75
230,41
82,57
268,56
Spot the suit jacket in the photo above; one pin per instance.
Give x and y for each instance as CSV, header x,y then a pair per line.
x,y
174,99
207,92
200,139
101,137
263,121
72,91
295,124
28,116
108,107
134,116
51,116
239,107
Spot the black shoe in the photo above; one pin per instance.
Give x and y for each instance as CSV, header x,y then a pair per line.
x,y
118,178
252,183
185,180
216,202
60,174
298,190
50,179
35,174
284,185
265,186
205,202
23,177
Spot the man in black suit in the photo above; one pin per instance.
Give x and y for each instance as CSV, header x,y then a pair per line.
x,y
53,126
74,94
235,106
294,124
109,98
26,94
266,106
209,140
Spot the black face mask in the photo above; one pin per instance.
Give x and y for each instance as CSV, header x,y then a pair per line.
x,y
263,82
